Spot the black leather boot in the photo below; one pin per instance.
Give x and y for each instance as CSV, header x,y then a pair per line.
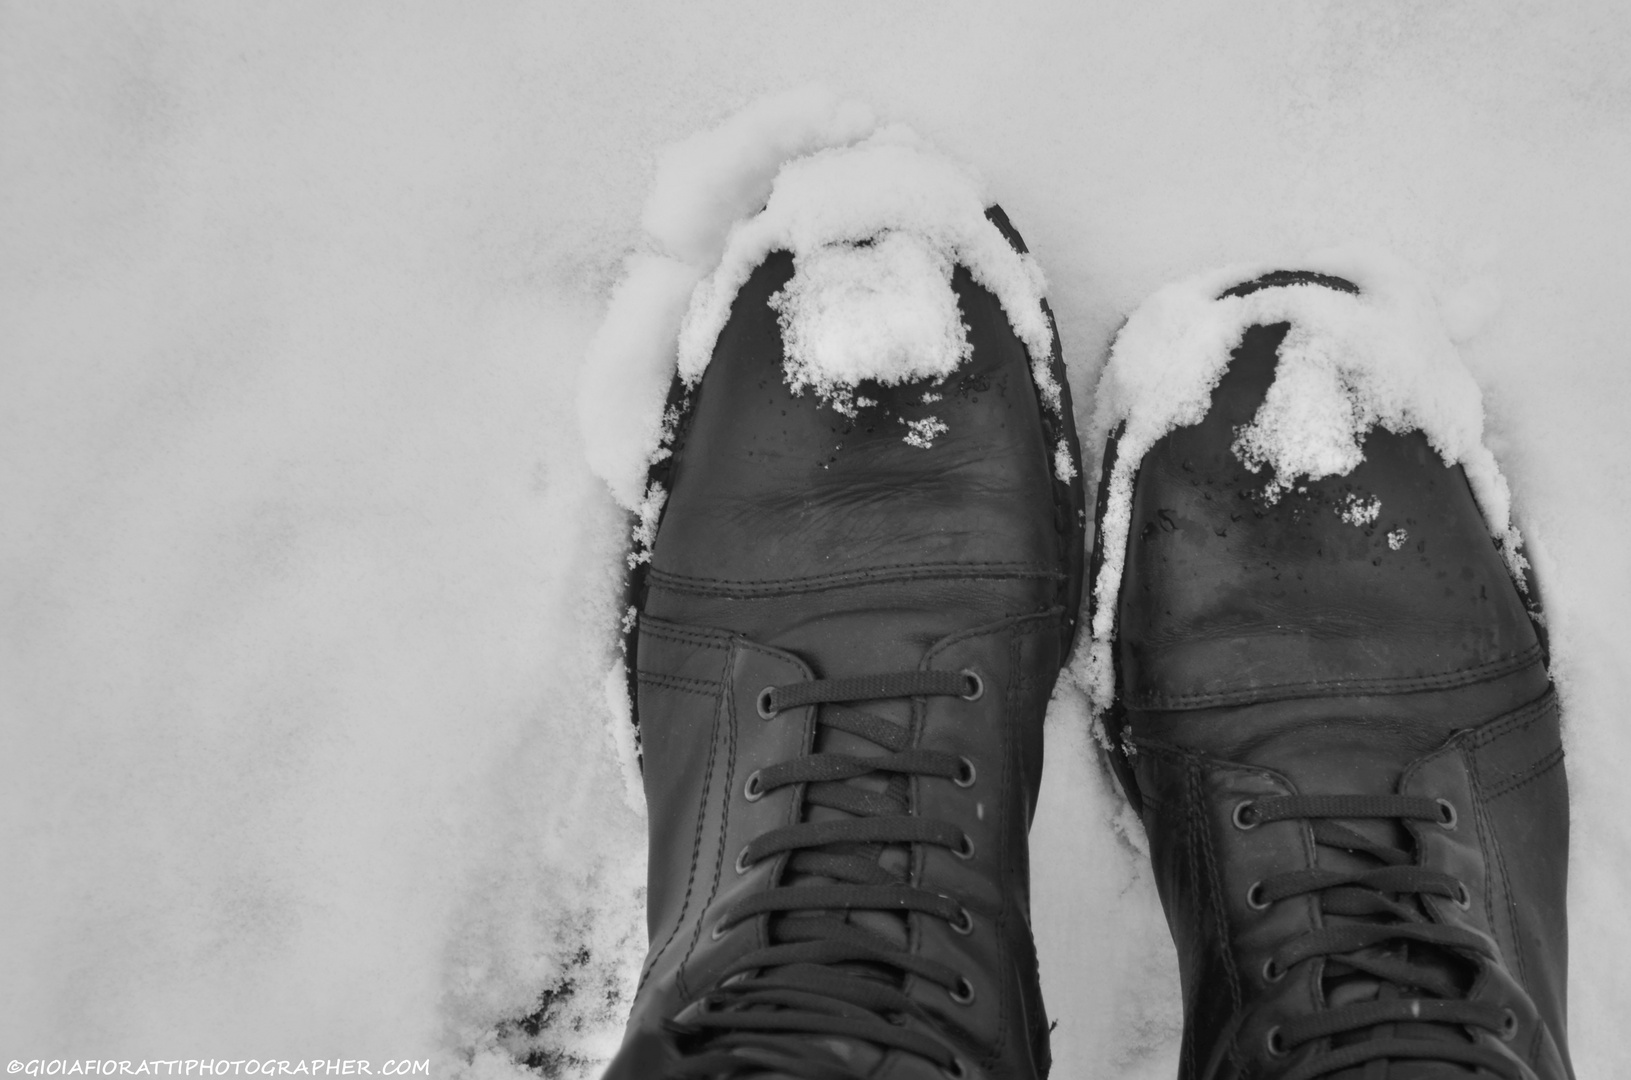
x,y
1344,745
844,650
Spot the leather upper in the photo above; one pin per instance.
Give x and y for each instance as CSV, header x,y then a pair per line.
x,y
1273,648
800,544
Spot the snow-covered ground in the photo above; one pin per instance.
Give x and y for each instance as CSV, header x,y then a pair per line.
x,y
310,593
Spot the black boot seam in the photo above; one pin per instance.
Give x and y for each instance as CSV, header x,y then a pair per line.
x,y
704,636
1528,776
742,587
728,707
1030,623
1522,717
1214,885
1495,859
1011,691
1192,827
679,683
1340,687
696,842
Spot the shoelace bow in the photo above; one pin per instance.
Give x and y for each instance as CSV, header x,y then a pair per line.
x,y
822,974
1387,925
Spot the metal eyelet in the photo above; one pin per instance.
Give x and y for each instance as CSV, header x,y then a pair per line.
x,y
753,790
1254,897
765,702
1242,821
963,992
1509,1025
956,1070
1446,815
1272,972
965,773
965,850
1463,897
1275,1044
719,931
964,923
976,685
742,863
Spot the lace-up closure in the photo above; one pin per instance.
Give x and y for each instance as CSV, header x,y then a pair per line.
x,y
1377,926
824,974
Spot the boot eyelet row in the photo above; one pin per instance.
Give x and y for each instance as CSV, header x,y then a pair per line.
x,y
965,850
1446,815
963,992
1274,1043
753,790
1244,817
964,923
965,773
976,685
1254,897
766,703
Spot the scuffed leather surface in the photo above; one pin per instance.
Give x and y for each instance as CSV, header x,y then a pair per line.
x,y
773,490
1227,599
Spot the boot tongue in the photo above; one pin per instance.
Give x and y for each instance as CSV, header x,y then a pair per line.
x,y
857,1054
895,858
847,642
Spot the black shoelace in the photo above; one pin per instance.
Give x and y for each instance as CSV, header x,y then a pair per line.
x,y
1381,933
823,974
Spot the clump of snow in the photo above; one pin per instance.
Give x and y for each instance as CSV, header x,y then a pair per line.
x,y
883,311
890,183
647,516
1064,462
1397,537
922,433
1311,423
1359,511
1348,363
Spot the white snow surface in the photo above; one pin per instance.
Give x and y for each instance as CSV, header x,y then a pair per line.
x,y
1349,363
883,311
312,589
